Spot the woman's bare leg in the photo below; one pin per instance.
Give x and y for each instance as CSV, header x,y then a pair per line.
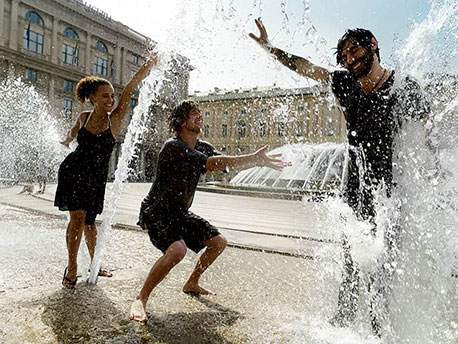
x,y
73,238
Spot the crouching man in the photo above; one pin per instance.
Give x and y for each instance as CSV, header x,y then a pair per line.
x,y
165,210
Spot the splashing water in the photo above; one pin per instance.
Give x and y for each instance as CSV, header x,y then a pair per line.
x,y
25,147
422,297
149,91
421,290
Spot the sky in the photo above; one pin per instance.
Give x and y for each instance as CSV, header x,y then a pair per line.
x,y
213,34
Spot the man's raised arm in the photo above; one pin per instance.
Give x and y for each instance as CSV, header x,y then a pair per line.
x,y
298,64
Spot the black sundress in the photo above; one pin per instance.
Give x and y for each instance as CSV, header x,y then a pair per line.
x,y
83,174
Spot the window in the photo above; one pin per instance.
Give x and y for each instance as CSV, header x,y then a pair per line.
x,y
101,46
206,131
299,128
281,129
70,54
33,41
207,114
100,65
135,59
330,126
133,102
224,130
33,17
68,85
67,108
241,129
262,129
132,73
70,33
31,75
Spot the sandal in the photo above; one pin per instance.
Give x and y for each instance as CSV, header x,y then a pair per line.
x,y
105,273
102,272
67,283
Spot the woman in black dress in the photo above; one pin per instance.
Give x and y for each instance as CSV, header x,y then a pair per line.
x,y
83,174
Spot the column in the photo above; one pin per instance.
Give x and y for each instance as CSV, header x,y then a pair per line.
x,y
54,47
88,54
123,66
14,25
117,64
2,13
52,86
142,171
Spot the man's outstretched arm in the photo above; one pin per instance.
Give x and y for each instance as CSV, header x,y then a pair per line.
x,y
298,64
258,158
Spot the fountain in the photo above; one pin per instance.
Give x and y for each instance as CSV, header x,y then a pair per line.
x,y
315,167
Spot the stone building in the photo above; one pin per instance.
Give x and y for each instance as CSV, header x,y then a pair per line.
x,y
52,44
241,121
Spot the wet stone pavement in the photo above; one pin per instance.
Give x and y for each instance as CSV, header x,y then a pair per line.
x,y
262,297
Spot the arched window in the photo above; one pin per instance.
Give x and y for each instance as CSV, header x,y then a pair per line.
x,y
33,17
101,46
69,32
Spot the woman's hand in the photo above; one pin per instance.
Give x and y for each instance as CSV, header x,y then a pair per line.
x,y
152,58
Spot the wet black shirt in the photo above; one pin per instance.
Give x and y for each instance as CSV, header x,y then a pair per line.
x,y
372,121
178,171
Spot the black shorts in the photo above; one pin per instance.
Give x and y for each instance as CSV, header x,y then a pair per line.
x,y
187,226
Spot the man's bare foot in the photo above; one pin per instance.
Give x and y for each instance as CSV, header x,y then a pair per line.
x,y
138,311
196,290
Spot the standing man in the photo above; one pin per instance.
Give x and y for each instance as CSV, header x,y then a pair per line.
x,y
374,110
165,213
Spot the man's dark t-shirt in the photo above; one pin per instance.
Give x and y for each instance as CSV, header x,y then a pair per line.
x,y
372,121
178,171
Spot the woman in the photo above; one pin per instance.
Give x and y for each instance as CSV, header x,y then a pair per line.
x,y
83,174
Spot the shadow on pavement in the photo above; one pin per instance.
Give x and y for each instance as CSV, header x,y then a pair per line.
x,y
196,327
87,315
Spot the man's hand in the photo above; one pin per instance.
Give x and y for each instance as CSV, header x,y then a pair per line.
x,y
271,161
263,39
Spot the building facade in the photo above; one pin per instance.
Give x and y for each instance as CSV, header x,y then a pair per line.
x,y
241,121
52,44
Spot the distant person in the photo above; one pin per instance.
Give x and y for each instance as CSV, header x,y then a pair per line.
x,y
374,110
42,176
83,174
27,187
165,213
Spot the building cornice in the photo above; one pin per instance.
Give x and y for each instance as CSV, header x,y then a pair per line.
x,y
256,93
99,27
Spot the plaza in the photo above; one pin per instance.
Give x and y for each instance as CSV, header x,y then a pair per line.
x,y
267,285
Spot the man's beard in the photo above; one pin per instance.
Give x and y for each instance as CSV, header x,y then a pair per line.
x,y
367,61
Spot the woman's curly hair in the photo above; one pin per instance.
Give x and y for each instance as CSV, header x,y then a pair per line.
x,y
88,86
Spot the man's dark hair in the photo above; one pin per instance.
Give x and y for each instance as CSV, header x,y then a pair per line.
x,y
179,115
360,36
